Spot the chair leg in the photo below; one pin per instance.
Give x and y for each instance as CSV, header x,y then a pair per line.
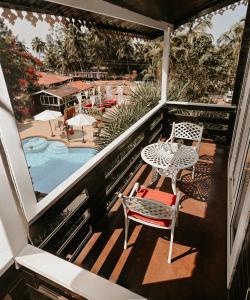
x,y
177,218
126,233
193,172
171,246
174,186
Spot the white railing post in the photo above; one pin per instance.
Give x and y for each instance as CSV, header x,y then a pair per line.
x,y
165,64
12,231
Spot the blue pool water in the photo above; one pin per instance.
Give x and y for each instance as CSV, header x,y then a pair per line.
x,y
51,162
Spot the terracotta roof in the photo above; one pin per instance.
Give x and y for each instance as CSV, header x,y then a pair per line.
x,y
81,85
61,91
50,78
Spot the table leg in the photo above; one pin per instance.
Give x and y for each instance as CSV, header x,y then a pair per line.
x,y
193,171
178,178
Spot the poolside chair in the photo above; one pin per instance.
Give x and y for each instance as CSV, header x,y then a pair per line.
x,y
59,125
152,208
187,131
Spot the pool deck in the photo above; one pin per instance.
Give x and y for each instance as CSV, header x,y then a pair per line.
x,y
31,128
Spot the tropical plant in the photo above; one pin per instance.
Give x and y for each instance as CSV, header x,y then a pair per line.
x,y
118,119
17,63
229,50
38,46
125,51
19,68
153,56
177,91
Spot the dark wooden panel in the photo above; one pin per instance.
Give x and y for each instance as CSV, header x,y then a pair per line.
x,y
218,121
176,12
11,283
42,288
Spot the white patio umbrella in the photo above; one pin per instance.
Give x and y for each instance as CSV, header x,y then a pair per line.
x,y
48,115
81,120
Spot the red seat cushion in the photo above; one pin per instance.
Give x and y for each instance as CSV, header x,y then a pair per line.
x,y
112,101
88,105
165,198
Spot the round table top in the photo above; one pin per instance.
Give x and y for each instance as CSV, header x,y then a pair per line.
x,y
179,157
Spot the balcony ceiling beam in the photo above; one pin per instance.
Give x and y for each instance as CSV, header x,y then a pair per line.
x,y
114,11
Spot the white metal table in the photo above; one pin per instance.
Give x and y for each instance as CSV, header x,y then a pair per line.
x,y
168,161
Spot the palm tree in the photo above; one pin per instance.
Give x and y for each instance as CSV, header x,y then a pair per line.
x,y
153,55
51,53
74,43
125,51
95,46
197,29
117,120
38,46
230,41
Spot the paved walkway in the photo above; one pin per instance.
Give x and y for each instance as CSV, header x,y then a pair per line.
x,y
31,128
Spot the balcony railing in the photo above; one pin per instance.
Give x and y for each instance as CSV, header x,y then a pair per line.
x,y
218,120
72,218
74,215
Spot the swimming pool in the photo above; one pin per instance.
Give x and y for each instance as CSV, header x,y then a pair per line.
x,y
51,162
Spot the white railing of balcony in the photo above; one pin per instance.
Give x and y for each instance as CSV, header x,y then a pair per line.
x,y
71,277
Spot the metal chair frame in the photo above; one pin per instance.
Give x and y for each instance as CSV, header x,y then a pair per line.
x,y
152,209
186,131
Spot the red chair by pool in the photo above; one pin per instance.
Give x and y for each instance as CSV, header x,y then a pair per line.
x,y
87,105
111,102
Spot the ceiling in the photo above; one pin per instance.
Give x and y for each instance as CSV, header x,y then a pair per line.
x,y
176,12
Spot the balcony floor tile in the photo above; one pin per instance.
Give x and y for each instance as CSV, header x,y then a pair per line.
x,y
198,268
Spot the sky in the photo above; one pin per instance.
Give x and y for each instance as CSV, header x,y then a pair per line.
x,y
224,22
26,32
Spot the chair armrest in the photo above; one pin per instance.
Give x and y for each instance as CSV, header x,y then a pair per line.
x,y
134,189
197,147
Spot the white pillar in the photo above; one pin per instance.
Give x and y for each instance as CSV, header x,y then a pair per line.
x,y
12,221
14,151
165,64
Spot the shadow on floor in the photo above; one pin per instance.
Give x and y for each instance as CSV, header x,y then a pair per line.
x,y
198,268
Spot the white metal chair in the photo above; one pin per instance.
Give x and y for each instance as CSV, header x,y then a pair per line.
x,y
187,131
153,208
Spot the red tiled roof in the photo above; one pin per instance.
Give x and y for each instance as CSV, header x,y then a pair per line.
x,y
81,85
50,78
62,91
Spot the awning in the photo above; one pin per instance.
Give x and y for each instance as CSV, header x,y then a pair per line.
x,y
176,12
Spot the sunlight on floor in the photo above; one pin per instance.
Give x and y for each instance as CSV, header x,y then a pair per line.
x,y
159,270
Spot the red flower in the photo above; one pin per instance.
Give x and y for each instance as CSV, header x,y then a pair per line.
x,y
22,83
30,70
37,61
